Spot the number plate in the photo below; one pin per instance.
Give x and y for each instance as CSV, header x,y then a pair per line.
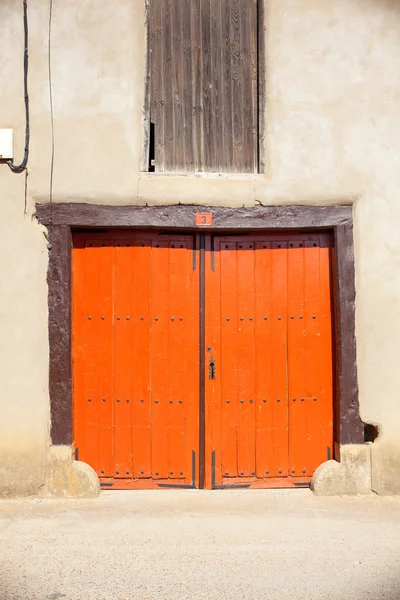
x,y
204,219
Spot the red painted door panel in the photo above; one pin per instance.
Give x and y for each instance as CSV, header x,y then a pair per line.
x,y
136,358
269,408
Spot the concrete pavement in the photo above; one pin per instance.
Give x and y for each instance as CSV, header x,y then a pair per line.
x,y
285,544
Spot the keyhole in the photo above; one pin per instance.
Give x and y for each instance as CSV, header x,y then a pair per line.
x,y
211,369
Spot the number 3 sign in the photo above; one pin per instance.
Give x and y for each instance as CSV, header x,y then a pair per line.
x,y
204,219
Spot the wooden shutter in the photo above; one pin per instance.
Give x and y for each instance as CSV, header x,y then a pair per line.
x,y
203,85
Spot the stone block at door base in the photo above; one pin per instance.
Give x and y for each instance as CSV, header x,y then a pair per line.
x,y
385,461
68,478
351,476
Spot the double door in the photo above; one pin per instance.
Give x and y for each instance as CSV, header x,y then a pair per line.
x,y
202,361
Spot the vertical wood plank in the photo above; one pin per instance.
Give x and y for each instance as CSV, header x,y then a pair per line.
x,y
147,93
245,64
169,158
140,264
187,349
245,324
261,84
226,161
157,35
252,69
187,85
99,359
207,81
197,68
237,86
179,323
229,364
279,295
314,451
217,87
178,141
263,361
326,375
124,396
160,301
296,358
215,401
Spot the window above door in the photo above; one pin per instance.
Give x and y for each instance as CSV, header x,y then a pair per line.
x,y
203,90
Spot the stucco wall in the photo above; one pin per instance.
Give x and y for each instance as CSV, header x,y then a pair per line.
x,y
333,136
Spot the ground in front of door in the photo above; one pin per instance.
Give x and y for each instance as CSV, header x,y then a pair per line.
x,y
151,545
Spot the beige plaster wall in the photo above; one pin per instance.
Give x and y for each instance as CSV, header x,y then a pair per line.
x,y
333,136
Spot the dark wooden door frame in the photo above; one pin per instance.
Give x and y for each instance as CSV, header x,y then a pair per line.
x,y
63,219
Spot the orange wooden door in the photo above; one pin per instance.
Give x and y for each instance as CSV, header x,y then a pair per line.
x,y
136,358
268,367
254,311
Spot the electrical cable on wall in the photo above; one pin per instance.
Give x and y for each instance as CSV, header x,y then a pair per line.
x,y
49,245
22,166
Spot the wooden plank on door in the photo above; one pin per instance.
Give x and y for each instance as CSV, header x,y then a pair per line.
x,y
214,401
297,358
245,349
160,386
181,408
98,351
140,348
264,349
229,360
278,465
321,417
123,384
309,355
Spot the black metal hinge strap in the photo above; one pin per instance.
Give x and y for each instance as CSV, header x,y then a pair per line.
x,y
234,486
183,486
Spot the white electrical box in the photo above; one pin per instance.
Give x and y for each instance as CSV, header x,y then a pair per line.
x,y
6,144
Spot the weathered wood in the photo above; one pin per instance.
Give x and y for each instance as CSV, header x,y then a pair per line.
x,y
144,166
227,110
156,36
207,82
252,69
206,112
197,66
187,87
237,89
178,143
245,58
217,83
166,65
60,365
261,87
351,426
183,217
